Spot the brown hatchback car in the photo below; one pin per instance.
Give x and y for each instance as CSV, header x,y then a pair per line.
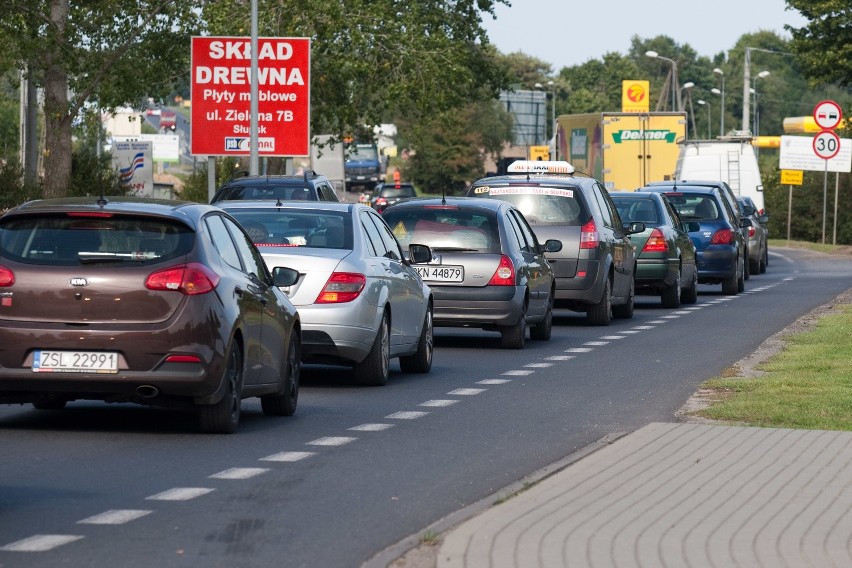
x,y
161,303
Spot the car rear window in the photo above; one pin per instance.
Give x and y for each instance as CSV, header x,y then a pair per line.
x,y
74,239
268,191
540,205
445,228
695,207
398,192
296,227
633,209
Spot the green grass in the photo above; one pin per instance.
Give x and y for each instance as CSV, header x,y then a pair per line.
x,y
818,247
807,385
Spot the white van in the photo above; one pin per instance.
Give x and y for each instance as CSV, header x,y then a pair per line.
x,y
727,158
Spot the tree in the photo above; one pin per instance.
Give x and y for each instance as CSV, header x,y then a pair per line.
x,y
370,60
824,45
106,53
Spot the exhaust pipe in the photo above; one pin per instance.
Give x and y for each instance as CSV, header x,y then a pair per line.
x,y
147,391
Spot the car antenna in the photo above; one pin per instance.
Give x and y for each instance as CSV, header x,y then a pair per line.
x,y
278,203
443,191
102,201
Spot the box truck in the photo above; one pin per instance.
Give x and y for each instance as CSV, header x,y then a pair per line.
x,y
731,159
624,150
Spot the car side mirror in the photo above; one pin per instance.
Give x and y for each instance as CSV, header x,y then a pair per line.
x,y
635,227
748,210
284,277
692,226
551,245
745,223
419,254
763,219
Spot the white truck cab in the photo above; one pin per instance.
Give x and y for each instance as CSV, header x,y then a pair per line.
x,y
727,158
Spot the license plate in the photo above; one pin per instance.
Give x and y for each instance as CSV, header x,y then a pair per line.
x,y
440,273
75,362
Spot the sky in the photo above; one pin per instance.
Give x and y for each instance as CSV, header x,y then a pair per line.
x,y
570,32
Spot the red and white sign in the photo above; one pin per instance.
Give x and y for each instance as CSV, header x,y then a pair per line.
x,y
827,115
826,144
221,96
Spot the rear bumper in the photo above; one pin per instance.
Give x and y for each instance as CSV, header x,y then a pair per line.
x,y
582,288
716,264
485,306
656,271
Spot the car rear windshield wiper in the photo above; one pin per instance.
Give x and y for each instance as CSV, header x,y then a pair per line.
x,y
93,257
456,249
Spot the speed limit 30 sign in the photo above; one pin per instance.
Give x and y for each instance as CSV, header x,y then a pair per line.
x,y
826,144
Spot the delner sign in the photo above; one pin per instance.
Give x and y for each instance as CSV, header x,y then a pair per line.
x,y
797,153
221,96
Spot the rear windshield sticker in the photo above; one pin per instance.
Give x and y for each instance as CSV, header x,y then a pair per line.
x,y
525,191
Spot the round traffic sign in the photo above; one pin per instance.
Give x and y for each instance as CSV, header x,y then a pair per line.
x,y
826,144
827,115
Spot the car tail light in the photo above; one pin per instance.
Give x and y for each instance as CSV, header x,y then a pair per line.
x,y
380,201
183,359
722,237
7,277
189,279
589,237
342,287
505,273
656,242
751,232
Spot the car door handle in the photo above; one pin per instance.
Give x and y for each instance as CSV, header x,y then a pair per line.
x,y
239,291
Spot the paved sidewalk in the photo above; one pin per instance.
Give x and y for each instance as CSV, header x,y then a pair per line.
x,y
679,495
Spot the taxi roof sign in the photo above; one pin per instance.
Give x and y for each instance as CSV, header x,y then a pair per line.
x,y
540,167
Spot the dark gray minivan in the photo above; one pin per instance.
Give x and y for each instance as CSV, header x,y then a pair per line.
x,y
595,268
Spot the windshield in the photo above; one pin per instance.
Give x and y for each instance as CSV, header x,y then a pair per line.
x,y
445,229
540,205
633,209
362,152
296,227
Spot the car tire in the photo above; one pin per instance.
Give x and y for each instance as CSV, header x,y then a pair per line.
x,y
730,285
421,360
544,329
57,404
374,369
601,313
224,416
671,295
512,336
746,266
689,295
741,280
285,402
764,260
625,311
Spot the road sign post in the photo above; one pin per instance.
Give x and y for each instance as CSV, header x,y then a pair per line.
x,y
826,144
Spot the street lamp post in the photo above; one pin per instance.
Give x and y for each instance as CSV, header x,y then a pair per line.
x,y
676,100
703,103
756,117
721,108
688,88
552,86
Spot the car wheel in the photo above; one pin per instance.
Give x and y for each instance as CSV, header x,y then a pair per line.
x,y
625,311
57,404
543,329
671,293
284,403
730,284
512,336
746,266
600,313
764,260
689,295
375,368
741,280
224,416
421,361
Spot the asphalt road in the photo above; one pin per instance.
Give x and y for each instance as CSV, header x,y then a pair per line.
x,y
358,469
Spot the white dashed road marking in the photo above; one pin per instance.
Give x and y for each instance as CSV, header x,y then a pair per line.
x,y
539,365
180,494
560,357
644,327
371,427
40,542
578,350
407,415
332,441
596,343
612,337
239,473
288,456
115,517
438,403
517,373
494,382
466,392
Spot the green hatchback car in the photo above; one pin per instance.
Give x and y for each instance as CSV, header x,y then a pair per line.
x,y
665,261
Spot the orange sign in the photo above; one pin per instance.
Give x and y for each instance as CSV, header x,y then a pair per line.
x,y
635,96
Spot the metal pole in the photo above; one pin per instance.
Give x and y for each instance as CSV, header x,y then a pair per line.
x,y
253,150
211,177
789,211
746,81
824,199
722,110
836,189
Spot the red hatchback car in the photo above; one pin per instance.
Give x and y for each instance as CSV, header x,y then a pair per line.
x,y
155,302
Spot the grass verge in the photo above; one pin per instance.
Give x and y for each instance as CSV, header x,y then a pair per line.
x,y
807,385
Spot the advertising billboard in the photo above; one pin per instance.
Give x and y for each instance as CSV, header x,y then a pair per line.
x,y
221,96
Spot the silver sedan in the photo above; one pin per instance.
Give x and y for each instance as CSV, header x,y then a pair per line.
x,y
360,301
